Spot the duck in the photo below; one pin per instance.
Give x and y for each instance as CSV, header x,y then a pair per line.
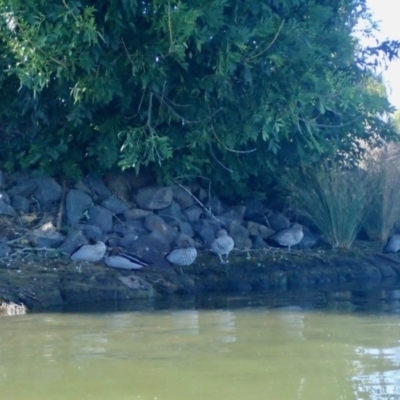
x,y
288,237
223,244
183,256
118,258
393,244
89,252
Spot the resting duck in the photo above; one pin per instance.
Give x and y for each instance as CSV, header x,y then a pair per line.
x,y
288,237
185,255
393,244
222,245
119,258
89,252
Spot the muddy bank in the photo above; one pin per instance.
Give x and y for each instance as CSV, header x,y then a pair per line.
x,y
41,282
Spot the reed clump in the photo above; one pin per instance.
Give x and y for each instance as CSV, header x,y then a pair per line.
x,y
334,198
383,168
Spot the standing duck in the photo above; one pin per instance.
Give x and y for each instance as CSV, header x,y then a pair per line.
x,y
185,255
124,260
288,237
222,245
89,252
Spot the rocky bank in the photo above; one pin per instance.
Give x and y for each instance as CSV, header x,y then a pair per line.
x,y
42,221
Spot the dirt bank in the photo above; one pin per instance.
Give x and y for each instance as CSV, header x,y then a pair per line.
x,y
41,282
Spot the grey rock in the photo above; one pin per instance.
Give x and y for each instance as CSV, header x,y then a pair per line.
x,y
115,205
124,229
182,237
5,249
21,204
206,229
278,221
256,229
186,228
76,203
239,234
97,186
24,189
5,197
2,179
182,197
259,243
100,217
193,213
6,209
254,211
128,240
136,213
155,223
154,198
235,213
75,239
46,236
171,214
91,232
48,191
138,226
152,248
215,206
113,240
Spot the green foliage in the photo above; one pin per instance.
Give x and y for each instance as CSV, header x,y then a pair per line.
x,y
396,121
334,198
230,90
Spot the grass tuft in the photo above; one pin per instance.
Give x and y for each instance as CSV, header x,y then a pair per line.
x,y
334,199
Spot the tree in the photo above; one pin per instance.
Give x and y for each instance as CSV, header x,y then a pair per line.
x,y
228,89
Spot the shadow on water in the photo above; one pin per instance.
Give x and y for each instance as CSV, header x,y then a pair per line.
x,y
354,298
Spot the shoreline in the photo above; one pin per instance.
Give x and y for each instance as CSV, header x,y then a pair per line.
x,y
44,283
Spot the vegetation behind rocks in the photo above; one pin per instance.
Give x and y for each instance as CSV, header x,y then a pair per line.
x,y
228,90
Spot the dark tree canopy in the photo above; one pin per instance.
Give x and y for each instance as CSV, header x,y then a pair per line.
x,y
228,89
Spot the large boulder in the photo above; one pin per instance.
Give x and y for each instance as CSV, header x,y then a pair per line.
x,y
182,196
193,213
153,248
156,223
47,192
154,198
239,234
115,205
21,204
76,203
277,221
6,209
46,236
97,186
100,217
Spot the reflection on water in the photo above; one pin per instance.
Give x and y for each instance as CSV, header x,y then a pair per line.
x,y
297,346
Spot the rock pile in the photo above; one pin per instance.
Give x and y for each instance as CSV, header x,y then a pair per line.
x,y
149,224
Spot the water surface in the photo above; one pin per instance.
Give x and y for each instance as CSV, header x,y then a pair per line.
x,y
336,345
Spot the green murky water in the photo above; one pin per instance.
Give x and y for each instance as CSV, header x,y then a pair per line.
x,y
322,347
